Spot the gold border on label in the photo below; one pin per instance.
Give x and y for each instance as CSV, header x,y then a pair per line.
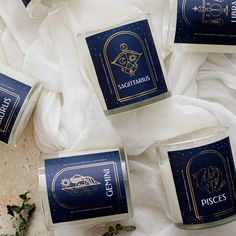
x,y
117,178
196,210
13,108
124,99
184,13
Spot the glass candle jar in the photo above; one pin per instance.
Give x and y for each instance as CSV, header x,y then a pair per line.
x,y
124,64
85,188
201,25
199,178
18,97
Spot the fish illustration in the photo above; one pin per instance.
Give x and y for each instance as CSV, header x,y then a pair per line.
x,y
209,180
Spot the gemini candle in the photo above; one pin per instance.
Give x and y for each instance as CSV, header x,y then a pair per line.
x,y
85,188
202,25
199,178
124,64
18,96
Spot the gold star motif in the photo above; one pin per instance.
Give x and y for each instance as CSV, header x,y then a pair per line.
x,y
195,8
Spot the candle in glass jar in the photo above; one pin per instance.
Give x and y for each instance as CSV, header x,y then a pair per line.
x,y
201,26
85,188
124,64
18,97
198,173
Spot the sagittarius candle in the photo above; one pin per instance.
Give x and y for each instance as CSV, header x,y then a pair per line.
x,y
124,64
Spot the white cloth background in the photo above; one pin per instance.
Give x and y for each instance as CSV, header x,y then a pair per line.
x,y
69,117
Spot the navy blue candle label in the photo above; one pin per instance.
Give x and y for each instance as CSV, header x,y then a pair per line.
x,y
127,65
206,22
205,182
26,2
85,186
12,96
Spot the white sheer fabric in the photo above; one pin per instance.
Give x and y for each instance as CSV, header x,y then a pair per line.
x,y
69,117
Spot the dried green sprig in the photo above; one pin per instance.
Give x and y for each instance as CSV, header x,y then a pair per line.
x,y
119,228
21,215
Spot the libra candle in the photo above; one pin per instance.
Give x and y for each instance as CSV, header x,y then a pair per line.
x,y
85,188
124,64
18,96
198,174
201,25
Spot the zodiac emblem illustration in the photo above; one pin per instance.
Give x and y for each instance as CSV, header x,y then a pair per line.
x,y
127,60
209,180
79,185
211,12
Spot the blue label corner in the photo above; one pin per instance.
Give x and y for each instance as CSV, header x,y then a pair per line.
x,y
26,2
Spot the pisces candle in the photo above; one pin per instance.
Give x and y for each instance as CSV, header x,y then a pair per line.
x,y
124,64
18,96
202,25
199,178
85,188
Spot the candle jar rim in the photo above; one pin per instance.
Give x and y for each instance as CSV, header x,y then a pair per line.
x,y
67,153
196,136
116,22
